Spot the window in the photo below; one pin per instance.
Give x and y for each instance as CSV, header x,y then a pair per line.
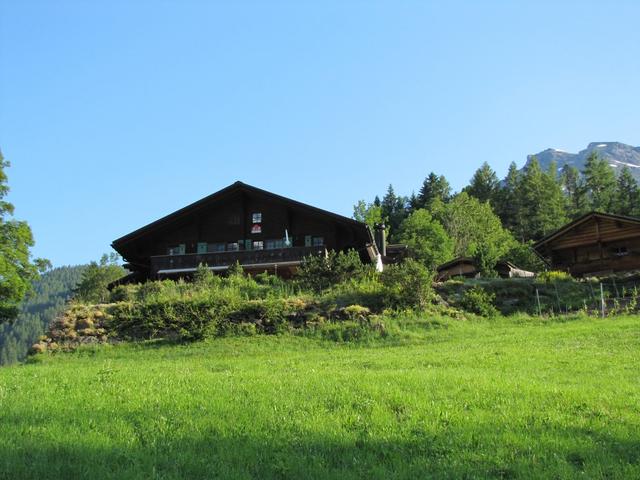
x,y
247,244
177,249
307,240
318,241
256,217
258,245
272,244
204,247
232,247
215,247
620,251
233,219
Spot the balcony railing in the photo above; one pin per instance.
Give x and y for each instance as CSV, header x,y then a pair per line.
x,y
612,262
167,264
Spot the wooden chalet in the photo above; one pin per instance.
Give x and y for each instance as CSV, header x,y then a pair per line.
x,y
240,223
465,267
594,244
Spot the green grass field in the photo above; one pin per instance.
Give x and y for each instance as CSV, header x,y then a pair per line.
x,y
461,399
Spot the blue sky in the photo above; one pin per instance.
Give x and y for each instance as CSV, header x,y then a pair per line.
x,y
116,113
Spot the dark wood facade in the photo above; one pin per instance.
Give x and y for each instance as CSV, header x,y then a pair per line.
x,y
260,230
596,243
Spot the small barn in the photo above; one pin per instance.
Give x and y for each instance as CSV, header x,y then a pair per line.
x,y
594,244
465,267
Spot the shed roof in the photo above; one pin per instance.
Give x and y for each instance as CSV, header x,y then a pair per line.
x,y
455,261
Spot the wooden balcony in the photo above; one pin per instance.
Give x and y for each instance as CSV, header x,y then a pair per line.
x,y
598,266
256,260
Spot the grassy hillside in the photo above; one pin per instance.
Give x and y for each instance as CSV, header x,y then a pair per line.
x,y
509,398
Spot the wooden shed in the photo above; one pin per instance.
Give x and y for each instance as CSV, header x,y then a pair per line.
x,y
594,244
465,267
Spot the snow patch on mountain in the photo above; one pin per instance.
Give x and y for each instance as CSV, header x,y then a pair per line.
x,y
617,154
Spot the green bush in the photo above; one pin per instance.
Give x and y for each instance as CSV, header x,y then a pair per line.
x,y
318,273
239,304
553,276
122,293
174,319
407,285
479,301
269,316
357,312
367,291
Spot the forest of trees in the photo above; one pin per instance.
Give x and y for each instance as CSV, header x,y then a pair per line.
x,y
47,298
490,219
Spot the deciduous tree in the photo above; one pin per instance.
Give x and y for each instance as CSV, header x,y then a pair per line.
x,y
475,230
92,287
17,268
427,239
367,213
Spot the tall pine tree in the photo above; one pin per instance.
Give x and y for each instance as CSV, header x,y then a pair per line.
x,y
507,204
600,184
484,184
575,191
393,210
434,187
627,199
541,203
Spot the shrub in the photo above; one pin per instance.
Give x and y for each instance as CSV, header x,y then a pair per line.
x,y
235,270
407,285
149,290
36,348
182,319
357,312
554,276
122,293
318,273
367,292
479,301
204,277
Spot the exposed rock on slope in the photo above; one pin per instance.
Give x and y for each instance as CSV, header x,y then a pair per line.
x,y
616,153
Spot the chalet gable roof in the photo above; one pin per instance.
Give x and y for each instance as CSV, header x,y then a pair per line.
x,y
222,194
579,221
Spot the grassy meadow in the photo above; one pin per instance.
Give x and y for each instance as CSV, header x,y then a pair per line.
x,y
506,398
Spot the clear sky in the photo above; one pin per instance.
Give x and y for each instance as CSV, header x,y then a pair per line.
x,y
115,113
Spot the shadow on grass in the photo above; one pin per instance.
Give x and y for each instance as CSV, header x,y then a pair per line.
x,y
148,453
